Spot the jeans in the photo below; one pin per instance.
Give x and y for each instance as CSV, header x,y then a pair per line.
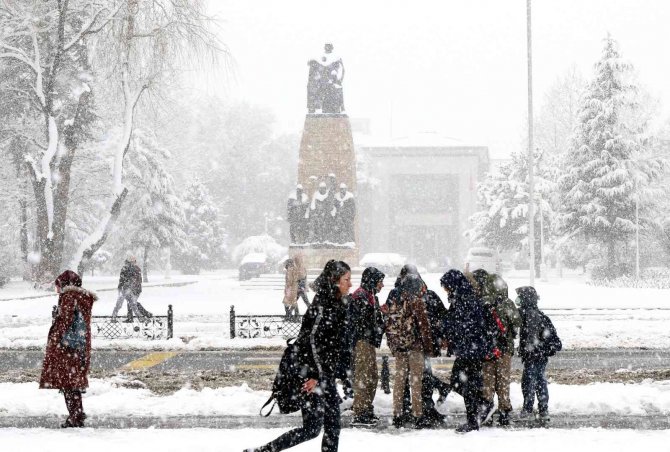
x,y
134,307
320,410
466,380
534,382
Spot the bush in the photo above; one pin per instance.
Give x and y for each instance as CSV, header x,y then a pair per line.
x,y
600,272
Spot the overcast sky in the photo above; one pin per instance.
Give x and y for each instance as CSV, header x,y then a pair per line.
x,y
457,68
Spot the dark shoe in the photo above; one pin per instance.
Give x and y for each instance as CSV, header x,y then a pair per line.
x,y
399,421
128,320
434,416
363,421
525,416
543,417
486,412
70,423
266,448
422,422
465,428
503,419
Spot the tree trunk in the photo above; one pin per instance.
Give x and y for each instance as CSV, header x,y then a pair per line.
x,y
145,265
611,256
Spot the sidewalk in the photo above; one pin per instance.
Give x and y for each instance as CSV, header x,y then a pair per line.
x,y
561,421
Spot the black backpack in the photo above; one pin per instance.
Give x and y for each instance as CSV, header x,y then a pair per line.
x,y
287,386
551,343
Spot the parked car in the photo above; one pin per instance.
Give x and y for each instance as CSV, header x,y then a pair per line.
x,y
389,263
484,258
252,266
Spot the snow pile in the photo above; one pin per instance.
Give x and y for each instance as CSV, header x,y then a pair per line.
x,y
121,396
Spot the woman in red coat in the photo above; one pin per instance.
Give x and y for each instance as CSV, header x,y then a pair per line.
x,y
68,353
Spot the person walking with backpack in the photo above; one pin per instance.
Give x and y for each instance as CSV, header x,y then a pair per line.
x,y
497,373
468,339
68,354
409,338
367,324
319,346
538,341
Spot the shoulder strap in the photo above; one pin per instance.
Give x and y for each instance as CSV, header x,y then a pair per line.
x,y
272,396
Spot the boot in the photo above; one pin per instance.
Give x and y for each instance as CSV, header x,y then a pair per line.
x,y
467,427
486,410
503,419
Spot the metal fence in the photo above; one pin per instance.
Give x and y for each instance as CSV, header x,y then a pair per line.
x,y
150,328
252,326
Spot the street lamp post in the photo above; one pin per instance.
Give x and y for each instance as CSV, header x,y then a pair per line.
x,y
531,204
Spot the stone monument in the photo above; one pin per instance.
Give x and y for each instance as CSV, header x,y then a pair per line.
x,y
326,172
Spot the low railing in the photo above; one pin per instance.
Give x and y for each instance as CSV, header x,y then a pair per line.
x,y
150,328
252,326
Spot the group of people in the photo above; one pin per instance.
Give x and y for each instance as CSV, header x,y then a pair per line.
x,y
327,218
341,333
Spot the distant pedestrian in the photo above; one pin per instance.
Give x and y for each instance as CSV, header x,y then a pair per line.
x,y
130,288
409,338
466,332
320,346
538,341
367,326
68,353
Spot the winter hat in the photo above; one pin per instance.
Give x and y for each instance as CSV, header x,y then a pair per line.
x,y
68,278
481,277
370,278
456,282
407,269
528,295
412,286
500,287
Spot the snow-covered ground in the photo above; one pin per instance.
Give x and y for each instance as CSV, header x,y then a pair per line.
x,y
205,440
119,396
585,316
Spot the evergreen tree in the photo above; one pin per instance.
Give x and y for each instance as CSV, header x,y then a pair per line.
x,y
502,222
603,173
155,218
206,239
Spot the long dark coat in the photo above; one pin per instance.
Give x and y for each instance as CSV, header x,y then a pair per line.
x,y
131,278
64,368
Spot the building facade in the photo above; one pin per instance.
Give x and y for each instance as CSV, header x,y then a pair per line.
x,y
418,197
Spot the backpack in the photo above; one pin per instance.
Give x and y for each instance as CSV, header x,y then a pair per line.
x,y
287,386
75,336
551,343
399,327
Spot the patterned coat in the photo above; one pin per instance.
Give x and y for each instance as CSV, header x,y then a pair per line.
x,y
65,368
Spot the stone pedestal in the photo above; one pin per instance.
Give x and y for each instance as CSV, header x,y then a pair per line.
x,y
327,146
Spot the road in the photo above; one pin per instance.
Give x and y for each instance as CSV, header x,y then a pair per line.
x,y
229,360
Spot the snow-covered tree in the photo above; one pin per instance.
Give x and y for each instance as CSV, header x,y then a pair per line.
x,y
155,216
205,237
604,172
502,222
259,244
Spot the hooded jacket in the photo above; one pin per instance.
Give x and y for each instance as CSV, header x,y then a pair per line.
x,y
367,322
466,326
537,338
321,342
64,368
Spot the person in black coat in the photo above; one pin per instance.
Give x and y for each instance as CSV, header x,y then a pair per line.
x,y
466,332
321,344
367,329
130,288
538,341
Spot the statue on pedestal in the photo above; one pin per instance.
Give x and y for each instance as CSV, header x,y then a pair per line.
x,y
324,85
345,215
297,215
